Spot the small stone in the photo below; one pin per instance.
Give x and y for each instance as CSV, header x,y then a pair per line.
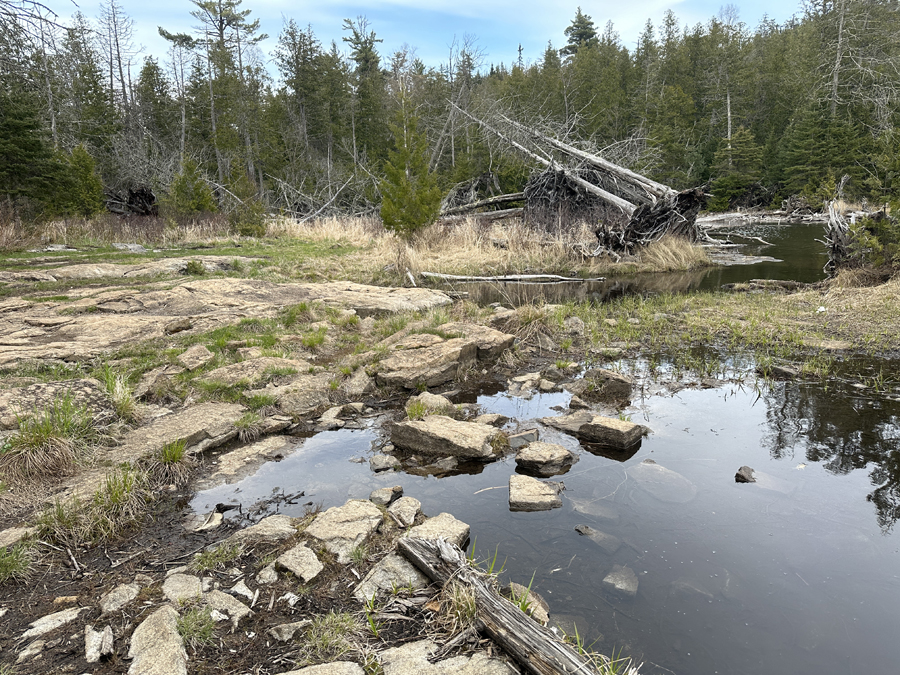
x,y
530,494
65,599
405,510
380,463
13,535
390,573
744,475
434,404
240,588
143,580
97,643
267,575
494,419
386,496
622,580
180,324
538,609
611,322
574,325
195,357
634,322
178,587
544,343
118,597
285,631
270,529
301,561
231,606
334,668
523,438
577,404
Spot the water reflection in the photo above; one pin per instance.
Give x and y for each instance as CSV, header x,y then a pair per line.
x,y
843,430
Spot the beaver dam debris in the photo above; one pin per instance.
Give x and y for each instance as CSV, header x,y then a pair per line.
x,y
631,210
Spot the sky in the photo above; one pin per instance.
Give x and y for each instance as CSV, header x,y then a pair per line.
x,y
430,27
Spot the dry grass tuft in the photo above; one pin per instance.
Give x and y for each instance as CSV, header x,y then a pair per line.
x,y
673,253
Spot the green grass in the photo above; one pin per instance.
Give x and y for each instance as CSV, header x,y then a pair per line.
x,y
50,443
170,465
416,410
249,426
120,393
330,637
15,562
196,627
215,558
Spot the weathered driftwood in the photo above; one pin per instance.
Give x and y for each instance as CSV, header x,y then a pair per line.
x,y
535,647
534,278
487,215
837,239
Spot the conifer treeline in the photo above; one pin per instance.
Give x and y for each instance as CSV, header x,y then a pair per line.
x,y
759,114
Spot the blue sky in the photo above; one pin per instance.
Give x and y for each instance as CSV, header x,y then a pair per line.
x,y
497,26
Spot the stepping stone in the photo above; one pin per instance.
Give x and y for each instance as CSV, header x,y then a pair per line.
x,y
343,528
530,494
405,510
441,435
545,459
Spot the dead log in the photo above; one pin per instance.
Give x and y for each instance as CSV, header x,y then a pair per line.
x,y
532,278
533,646
482,203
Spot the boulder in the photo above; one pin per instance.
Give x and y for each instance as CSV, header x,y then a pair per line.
x,y
253,371
443,526
607,542
195,357
599,384
386,496
405,510
664,484
425,360
545,459
606,431
390,573
301,561
343,528
156,646
530,494
622,581
489,342
440,435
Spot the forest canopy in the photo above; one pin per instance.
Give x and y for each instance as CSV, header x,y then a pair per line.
x,y
757,114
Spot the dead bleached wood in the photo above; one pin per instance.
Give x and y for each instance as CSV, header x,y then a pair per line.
x,y
482,203
535,647
534,278
489,216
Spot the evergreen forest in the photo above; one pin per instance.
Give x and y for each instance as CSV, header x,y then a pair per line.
x,y
757,114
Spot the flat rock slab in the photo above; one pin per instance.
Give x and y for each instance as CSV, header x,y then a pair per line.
x,y
591,428
51,622
545,459
664,484
303,395
530,494
254,371
301,561
425,360
201,427
195,357
343,528
13,535
156,646
413,659
443,526
127,316
335,668
233,466
25,401
441,435
622,581
179,587
405,510
390,573
271,529
609,543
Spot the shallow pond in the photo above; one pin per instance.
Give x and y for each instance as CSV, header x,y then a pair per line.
x,y
797,573
792,253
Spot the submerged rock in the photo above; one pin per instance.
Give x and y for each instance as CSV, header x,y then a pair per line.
x,y
664,484
440,435
622,580
607,542
522,438
530,494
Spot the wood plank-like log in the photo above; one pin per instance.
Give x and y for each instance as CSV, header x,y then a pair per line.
x,y
481,203
534,647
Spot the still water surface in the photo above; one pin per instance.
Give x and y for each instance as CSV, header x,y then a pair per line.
x,y
798,573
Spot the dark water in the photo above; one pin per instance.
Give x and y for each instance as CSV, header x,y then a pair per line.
x,y
798,257
798,573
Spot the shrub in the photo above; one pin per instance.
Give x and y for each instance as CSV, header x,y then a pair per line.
x,y
189,194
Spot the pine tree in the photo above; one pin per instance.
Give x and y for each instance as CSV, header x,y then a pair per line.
x,y
738,167
189,194
580,33
81,191
27,166
411,196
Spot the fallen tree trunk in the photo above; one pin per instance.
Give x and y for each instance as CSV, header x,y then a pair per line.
x,y
535,647
487,215
482,203
534,278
